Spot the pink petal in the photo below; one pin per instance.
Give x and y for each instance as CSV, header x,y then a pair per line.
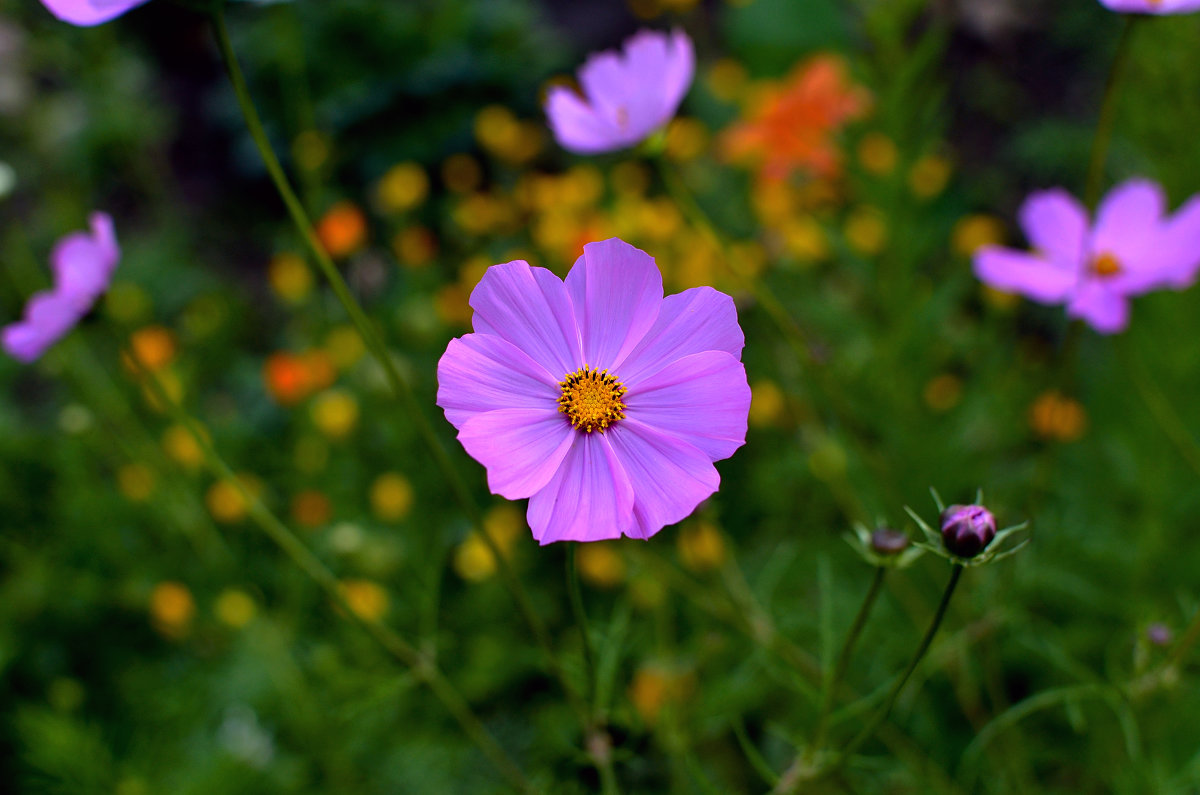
x,y
669,476
588,499
1056,225
48,317
1103,308
83,263
1017,272
89,12
616,290
576,126
521,448
482,372
702,399
530,308
1148,7
696,320
1181,245
1129,227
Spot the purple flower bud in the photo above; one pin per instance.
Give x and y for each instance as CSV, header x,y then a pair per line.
x,y
1159,634
967,529
887,542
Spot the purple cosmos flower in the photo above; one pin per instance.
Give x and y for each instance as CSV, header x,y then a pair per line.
x,y
1132,248
967,529
89,12
83,265
598,399
627,96
1152,6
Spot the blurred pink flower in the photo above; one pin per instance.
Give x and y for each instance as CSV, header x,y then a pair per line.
x,y
1132,248
89,12
1152,6
83,265
598,399
627,95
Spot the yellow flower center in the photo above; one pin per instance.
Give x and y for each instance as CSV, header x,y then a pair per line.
x,y
591,399
1106,265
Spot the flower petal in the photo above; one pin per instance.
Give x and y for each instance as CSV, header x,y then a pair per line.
x,y
1105,309
588,499
696,320
1056,225
576,126
48,317
83,263
1018,272
702,399
1181,244
530,308
521,448
482,372
669,476
616,290
89,12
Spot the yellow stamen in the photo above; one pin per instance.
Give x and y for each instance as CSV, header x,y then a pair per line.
x,y
591,399
1106,265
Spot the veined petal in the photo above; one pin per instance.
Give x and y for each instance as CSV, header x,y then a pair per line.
x,y
529,307
702,399
521,448
1027,274
669,476
482,372
1104,309
696,320
616,290
1056,225
588,499
89,12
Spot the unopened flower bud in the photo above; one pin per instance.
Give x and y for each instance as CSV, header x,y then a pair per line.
x,y
1159,634
888,542
967,529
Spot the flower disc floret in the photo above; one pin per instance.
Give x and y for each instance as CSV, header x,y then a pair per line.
x,y
591,399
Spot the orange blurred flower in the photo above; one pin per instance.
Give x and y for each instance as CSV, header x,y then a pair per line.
x,y
343,229
291,377
791,124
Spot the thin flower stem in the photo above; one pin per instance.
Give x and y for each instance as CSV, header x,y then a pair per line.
x,y
1108,112
375,345
886,708
576,597
1162,412
422,666
843,661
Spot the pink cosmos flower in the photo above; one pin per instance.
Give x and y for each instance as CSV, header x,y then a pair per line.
x,y
83,265
89,12
598,399
1152,6
1132,248
627,95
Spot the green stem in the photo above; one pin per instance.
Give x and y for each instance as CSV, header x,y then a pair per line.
x,y
1185,643
1108,112
885,709
843,661
1162,412
400,387
424,668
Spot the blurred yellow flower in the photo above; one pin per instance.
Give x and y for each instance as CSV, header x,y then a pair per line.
x,y
647,592
225,501
135,482
1057,417
726,79
461,173
335,413
451,302
391,497
170,384
344,346
972,232
629,178
804,239
367,599
402,188
311,509
235,608
654,686
311,150
767,403
877,153
415,246
171,609
504,524
181,446
701,547
686,139
290,277
943,392
600,564
473,561
152,347
866,230
928,176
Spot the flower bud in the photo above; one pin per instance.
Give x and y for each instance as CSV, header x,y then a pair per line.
x,y
1159,634
967,529
888,542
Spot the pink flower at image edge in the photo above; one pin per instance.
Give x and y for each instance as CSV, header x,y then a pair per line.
x,y
600,400
86,13
626,95
1159,7
1133,247
82,266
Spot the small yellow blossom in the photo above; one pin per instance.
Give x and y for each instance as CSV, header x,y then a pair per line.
x,y
179,443
172,609
335,413
767,403
600,564
136,482
866,230
701,547
235,608
877,153
928,176
1057,417
367,599
975,231
290,277
402,188
391,497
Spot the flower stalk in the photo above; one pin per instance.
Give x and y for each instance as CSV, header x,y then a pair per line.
x,y
1108,112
